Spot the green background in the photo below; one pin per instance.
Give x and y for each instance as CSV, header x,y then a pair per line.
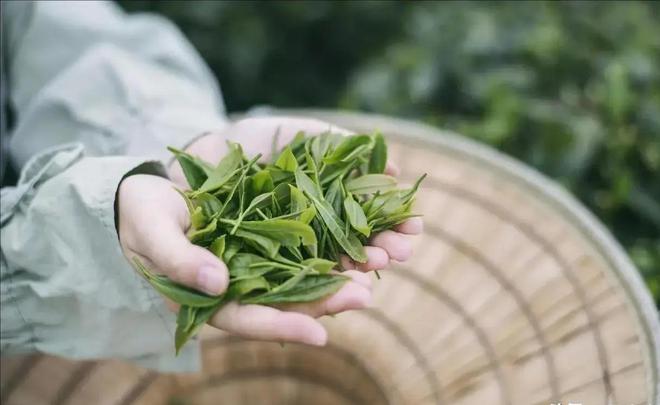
x,y
572,89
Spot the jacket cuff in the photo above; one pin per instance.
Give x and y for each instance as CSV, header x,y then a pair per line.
x,y
67,288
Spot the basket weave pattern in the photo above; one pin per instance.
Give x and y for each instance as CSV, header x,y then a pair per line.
x,y
512,297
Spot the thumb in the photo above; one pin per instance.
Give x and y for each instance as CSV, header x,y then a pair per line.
x,y
152,222
186,263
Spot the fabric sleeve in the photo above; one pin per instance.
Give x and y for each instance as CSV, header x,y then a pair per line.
x,y
66,287
98,94
119,84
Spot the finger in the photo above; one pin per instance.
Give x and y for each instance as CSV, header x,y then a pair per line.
x,y
175,173
210,147
413,226
377,259
266,323
396,245
170,304
359,277
168,248
353,295
285,129
154,227
392,169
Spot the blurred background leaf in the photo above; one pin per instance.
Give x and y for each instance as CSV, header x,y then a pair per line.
x,y
571,88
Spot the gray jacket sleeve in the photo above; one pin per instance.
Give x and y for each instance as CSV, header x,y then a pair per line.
x,y
98,94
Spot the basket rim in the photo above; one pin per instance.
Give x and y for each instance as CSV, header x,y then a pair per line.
x,y
619,264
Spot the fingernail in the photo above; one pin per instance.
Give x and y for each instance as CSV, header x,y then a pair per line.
x,y
418,225
210,280
364,300
370,302
317,339
401,249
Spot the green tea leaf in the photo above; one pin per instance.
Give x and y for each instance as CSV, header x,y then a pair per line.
x,y
371,183
186,317
358,155
240,264
200,317
178,293
197,218
194,174
320,248
187,200
312,168
204,165
209,203
339,171
242,287
238,184
356,216
378,159
300,203
262,182
292,282
332,248
306,185
322,266
258,202
218,246
350,243
310,288
265,245
287,161
286,231
347,148
298,141
413,190
232,246
295,253
392,202
383,204
184,322
224,171
279,176
281,198
199,235
298,200
391,221
334,196
320,146
307,215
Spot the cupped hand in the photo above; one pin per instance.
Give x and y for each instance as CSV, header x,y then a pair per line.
x,y
153,220
257,135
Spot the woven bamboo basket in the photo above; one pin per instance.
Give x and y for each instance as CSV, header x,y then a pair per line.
x,y
515,295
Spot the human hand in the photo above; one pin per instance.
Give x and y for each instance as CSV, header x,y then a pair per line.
x,y
153,219
256,135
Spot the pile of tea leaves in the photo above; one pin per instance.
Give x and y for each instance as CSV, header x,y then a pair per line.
x,y
281,226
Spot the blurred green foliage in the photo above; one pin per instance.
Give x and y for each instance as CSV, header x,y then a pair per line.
x,y
571,88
